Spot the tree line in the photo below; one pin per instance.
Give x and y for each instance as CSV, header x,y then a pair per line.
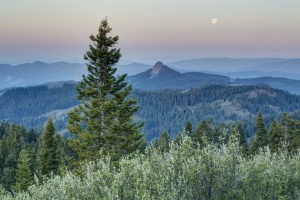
x,y
24,153
184,171
284,132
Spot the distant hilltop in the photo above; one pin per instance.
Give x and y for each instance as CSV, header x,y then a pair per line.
x,y
160,76
156,69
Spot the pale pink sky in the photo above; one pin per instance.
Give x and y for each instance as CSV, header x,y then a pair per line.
x,y
150,30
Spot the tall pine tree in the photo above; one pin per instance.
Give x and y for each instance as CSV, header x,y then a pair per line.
x,y
24,176
48,157
242,138
203,133
163,142
103,123
188,129
276,136
261,136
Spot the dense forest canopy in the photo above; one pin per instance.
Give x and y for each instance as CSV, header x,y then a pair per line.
x,y
166,109
184,169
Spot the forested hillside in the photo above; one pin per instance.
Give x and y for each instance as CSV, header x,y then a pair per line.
x,y
18,103
170,109
31,106
293,86
167,109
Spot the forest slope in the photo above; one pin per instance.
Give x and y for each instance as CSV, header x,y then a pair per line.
x,y
166,109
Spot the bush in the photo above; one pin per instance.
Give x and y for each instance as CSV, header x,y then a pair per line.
x,y
184,172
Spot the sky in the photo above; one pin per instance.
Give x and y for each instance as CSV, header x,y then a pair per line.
x,y
149,30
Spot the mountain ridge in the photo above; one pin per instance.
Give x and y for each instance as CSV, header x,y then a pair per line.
x,y
40,72
221,64
163,77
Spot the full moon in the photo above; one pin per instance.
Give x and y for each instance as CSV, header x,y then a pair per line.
x,y
214,21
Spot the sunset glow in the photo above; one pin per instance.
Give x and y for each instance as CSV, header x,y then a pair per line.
x,y
150,30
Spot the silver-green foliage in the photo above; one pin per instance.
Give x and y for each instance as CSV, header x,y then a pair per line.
x,y
184,172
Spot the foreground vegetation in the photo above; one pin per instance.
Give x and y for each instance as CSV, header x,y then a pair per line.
x,y
210,157
186,171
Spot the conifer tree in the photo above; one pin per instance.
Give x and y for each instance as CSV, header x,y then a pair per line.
x,y
290,132
211,123
189,129
14,143
24,176
292,135
199,136
261,138
276,136
103,123
3,148
163,142
31,136
15,140
8,178
203,133
48,158
285,121
178,139
3,128
294,143
220,132
154,143
32,151
60,152
242,138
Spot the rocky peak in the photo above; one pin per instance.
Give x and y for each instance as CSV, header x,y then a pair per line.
x,y
156,69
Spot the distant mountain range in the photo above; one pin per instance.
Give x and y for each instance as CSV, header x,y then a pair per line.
x,y
39,72
243,67
162,77
223,65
